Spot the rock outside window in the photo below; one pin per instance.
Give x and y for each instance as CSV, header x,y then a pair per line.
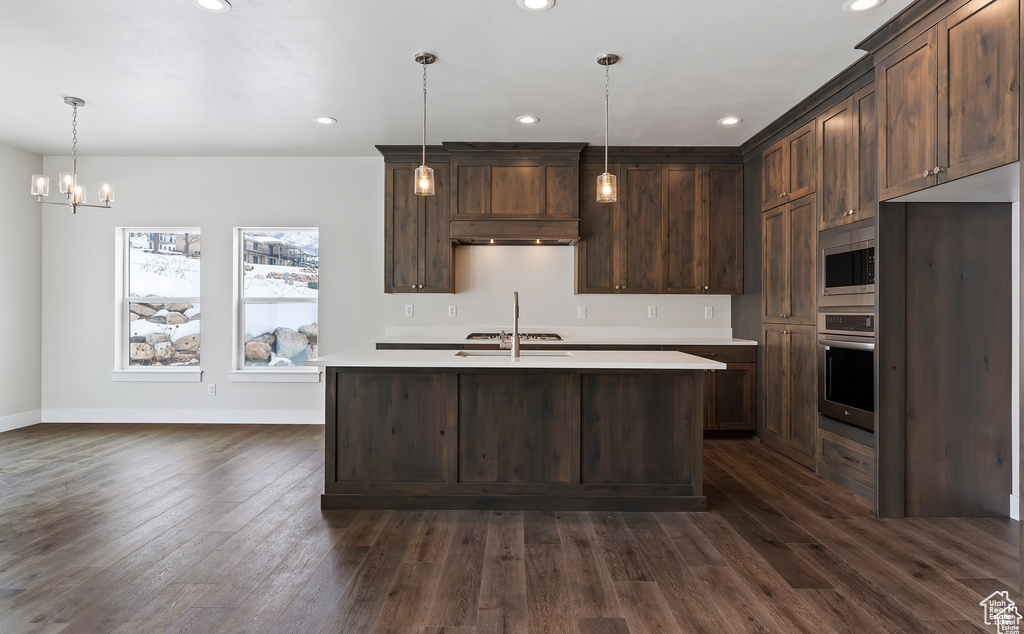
x,y
280,282
161,297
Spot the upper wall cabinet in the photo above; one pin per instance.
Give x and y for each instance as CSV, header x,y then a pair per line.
x,y
676,228
948,99
417,251
787,171
848,160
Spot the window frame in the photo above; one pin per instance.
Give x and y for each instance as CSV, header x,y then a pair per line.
x,y
242,373
123,370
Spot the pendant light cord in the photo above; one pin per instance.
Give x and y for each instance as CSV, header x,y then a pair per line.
x,y
424,162
606,119
74,148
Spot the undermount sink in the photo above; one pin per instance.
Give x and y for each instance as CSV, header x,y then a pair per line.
x,y
506,353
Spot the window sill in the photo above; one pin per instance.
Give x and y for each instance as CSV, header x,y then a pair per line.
x,y
166,375
296,375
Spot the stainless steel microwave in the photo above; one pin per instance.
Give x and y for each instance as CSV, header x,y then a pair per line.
x,y
847,268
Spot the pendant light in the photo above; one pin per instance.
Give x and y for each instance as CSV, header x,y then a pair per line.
x,y
69,184
424,178
607,187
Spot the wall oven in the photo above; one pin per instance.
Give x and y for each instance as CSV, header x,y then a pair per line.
x,y
847,273
846,368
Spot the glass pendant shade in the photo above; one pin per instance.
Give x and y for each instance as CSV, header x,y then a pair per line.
x,y
607,188
40,185
424,181
106,192
67,182
79,197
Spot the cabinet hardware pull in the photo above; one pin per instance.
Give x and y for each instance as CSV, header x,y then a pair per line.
x,y
937,170
853,460
623,286
616,287
927,173
782,195
421,286
414,286
850,213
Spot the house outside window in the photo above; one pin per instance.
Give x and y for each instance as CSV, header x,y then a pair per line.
x,y
279,283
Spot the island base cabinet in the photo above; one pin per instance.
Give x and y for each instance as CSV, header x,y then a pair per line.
x,y
516,439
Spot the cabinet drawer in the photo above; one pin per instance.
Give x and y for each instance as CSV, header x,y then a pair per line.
x,y
725,354
848,463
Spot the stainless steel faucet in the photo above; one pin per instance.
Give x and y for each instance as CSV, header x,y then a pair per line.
x,y
514,343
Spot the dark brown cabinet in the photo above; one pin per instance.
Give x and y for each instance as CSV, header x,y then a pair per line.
x,y
848,160
790,397
732,398
788,168
417,249
676,228
789,246
948,99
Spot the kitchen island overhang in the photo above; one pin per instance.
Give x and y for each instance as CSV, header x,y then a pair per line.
x,y
580,430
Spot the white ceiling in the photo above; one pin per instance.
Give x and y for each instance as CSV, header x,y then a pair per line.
x,y
164,77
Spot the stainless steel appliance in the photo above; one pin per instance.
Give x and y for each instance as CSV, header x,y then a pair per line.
x,y
846,276
523,336
846,367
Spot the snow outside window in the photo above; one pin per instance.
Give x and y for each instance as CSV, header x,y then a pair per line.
x,y
279,282
161,298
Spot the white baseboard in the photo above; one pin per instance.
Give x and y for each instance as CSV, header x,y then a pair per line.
x,y
17,421
211,416
1014,507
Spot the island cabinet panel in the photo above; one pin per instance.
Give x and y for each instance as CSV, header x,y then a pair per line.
x,y
633,428
514,427
392,427
949,99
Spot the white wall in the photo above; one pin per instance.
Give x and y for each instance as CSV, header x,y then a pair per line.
x,y
344,198
20,392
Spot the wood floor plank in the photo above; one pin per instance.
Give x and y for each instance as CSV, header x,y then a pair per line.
x,y
540,527
645,607
409,598
620,552
431,542
163,609
603,626
458,593
694,546
590,582
548,599
502,604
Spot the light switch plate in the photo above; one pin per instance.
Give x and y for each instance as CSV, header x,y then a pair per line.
x,y
408,310
211,389
709,312
452,310
652,312
581,312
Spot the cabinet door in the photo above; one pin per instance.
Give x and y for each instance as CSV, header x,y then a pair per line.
x,y
865,165
776,392
732,397
435,255
803,396
597,252
774,175
908,117
801,149
836,164
642,229
722,255
978,53
802,226
401,230
682,185
775,234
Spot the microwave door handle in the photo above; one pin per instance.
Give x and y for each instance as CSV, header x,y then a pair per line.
x,y
854,345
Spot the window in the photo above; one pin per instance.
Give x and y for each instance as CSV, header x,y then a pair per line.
x,y
161,310
279,287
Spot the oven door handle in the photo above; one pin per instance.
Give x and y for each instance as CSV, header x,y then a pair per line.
x,y
853,345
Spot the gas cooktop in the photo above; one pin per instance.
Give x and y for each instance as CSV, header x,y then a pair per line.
x,y
523,336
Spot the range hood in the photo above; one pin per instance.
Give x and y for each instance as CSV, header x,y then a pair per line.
x,y
515,232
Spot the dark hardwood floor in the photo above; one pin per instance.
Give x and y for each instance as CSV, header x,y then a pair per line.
x,y
210,528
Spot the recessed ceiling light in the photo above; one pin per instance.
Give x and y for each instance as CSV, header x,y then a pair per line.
x,y
325,120
729,120
215,6
535,5
527,118
854,6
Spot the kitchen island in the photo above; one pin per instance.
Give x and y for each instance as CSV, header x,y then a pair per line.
x,y
567,430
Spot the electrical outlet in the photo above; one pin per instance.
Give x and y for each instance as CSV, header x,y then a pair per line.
x,y
709,312
211,389
652,312
408,310
452,310
581,312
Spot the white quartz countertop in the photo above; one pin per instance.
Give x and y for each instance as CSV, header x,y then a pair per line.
x,y
583,341
574,359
